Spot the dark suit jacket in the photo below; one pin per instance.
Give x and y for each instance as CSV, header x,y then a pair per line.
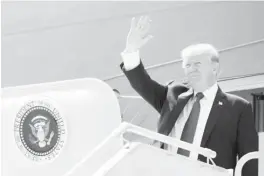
x,y
229,131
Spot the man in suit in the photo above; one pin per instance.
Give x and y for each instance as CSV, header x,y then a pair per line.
x,y
201,114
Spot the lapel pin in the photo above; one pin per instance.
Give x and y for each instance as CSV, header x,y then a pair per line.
x,y
220,103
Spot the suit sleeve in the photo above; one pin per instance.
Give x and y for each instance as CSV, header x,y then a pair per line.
x,y
247,140
153,92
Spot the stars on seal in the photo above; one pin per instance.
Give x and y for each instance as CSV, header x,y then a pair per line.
x,y
38,131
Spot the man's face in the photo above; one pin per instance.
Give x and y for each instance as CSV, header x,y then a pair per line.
x,y
199,70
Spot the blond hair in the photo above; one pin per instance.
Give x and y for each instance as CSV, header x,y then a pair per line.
x,y
198,49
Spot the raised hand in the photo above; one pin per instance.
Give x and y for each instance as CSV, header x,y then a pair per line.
x,y
138,34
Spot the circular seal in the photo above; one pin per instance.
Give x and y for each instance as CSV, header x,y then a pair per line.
x,y
39,131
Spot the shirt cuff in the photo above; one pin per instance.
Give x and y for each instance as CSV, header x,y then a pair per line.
x,y
130,59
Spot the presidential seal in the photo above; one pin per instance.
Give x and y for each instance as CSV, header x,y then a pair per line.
x,y
39,131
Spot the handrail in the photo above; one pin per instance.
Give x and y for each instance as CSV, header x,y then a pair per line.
x,y
243,160
127,127
180,60
168,140
220,80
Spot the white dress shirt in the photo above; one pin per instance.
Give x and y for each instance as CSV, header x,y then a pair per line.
x,y
132,60
206,104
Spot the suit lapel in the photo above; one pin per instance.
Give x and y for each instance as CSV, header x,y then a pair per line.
x,y
213,116
169,120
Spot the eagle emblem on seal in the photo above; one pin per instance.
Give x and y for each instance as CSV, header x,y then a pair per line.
x,y
40,129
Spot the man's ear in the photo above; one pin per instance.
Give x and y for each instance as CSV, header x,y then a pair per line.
x,y
216,68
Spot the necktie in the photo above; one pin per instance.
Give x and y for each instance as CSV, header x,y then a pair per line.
x,y
191,124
